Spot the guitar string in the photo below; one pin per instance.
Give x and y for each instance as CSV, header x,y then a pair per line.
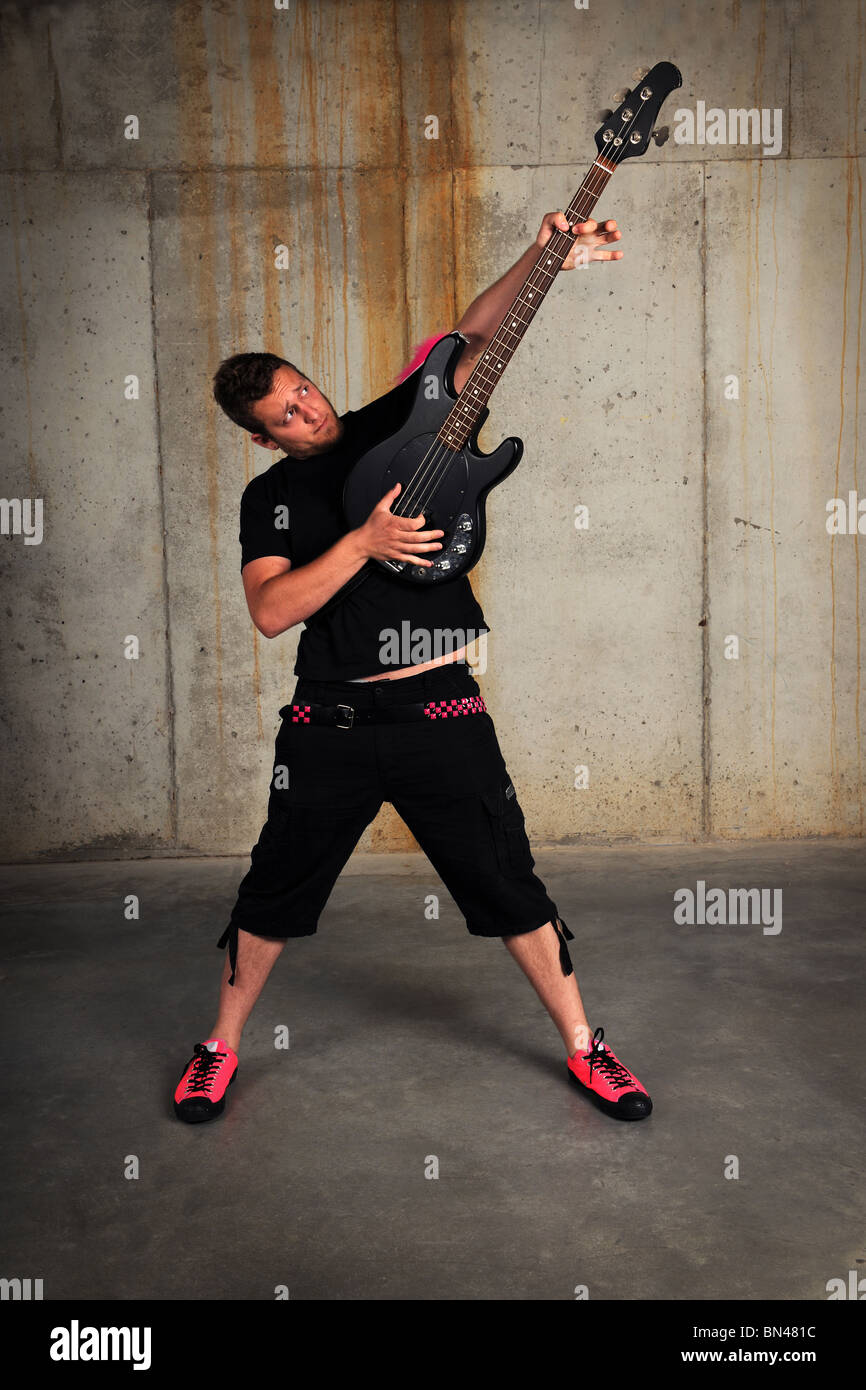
x,y
447,455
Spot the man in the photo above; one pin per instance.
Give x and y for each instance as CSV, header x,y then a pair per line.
x,y
359,731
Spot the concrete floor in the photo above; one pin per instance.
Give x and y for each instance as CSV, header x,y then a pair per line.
x,y
409,1038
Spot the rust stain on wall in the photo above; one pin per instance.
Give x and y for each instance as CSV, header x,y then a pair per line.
x,y
854,174
378,187
258,40
245,211
197,231
310,242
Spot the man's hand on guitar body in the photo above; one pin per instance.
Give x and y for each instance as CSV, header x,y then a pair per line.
x,y
385,536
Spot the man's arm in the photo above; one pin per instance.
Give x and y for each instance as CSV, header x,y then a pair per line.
x,y
485,313
279,597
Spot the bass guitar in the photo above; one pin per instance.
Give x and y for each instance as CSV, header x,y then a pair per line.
x,y
434,453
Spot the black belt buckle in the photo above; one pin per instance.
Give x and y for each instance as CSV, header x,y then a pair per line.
x,y
350,712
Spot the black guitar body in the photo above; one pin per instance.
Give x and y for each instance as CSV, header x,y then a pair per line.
x,y
450,487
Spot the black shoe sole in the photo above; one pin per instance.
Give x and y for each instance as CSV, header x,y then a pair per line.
x,y
608,1106
214,1108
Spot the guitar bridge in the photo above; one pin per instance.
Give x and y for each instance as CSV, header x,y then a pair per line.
x,y
452,559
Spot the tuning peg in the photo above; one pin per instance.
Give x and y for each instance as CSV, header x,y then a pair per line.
x,y
605,115
620,96
639,74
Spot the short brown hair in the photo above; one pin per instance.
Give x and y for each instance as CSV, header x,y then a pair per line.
x,y
242,380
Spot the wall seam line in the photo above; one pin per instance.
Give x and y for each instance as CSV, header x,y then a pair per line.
x,y
706,817
169,663
393,168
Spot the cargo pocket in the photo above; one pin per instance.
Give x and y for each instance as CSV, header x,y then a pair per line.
x,y
508,828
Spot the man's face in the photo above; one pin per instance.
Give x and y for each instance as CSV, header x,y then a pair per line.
x,y
298,418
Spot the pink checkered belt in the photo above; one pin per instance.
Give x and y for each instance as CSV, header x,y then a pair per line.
x,y
346,717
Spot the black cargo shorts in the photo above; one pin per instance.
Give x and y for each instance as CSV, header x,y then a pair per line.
x,y
445,777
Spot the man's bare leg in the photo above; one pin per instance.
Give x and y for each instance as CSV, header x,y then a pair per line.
x,y
255,960
537,954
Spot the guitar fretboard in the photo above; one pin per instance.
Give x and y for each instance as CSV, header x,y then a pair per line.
x,y
483,381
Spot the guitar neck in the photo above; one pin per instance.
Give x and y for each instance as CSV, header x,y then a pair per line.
x,y
463,418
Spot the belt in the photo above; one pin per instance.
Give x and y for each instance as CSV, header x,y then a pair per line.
x,y
346,716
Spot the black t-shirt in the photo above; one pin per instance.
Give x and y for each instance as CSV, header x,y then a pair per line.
x,y
295,509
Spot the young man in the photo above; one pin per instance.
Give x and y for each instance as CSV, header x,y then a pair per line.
x,y
360,731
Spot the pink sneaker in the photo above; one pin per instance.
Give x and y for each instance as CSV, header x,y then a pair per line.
x,y
201,1091
612,1086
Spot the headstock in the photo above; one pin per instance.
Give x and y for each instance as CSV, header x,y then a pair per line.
x,y
627,130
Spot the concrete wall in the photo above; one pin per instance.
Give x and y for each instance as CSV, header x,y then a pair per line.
x,y
610,647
